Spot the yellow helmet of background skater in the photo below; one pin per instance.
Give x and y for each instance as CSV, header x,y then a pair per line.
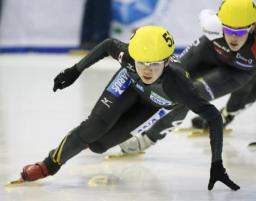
x,y
237,13
151,43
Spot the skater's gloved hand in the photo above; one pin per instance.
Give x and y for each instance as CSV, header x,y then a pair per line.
x,y
218,173
66,78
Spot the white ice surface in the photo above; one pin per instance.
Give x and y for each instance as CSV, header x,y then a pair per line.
x,y
33,120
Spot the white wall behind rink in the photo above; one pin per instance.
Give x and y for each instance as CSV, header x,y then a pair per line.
x,y
57,23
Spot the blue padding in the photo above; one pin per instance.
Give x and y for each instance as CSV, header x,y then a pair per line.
x,y
36,49
55,50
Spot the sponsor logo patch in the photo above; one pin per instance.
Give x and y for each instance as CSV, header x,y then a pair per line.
x,y
240,57
120,57
106,102
210,32
141,88
120,83
221,47
159,100
151,121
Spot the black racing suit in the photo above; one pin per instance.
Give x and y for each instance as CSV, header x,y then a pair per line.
x,y
216,71
126,105
242,98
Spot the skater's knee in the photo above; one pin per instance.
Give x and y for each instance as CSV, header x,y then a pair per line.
x,y
97,148
92,129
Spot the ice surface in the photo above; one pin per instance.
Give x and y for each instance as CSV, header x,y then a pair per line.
x,y
34,120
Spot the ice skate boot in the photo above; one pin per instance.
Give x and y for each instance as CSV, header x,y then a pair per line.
x,y
31,172
200,125
34,172
135,146
37,171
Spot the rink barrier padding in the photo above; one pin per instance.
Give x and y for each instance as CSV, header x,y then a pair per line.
x,y
55,50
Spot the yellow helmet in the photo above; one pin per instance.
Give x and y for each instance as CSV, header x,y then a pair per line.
x,y
151,43
237,13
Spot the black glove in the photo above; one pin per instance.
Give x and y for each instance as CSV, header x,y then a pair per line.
x,y
218,173
66,78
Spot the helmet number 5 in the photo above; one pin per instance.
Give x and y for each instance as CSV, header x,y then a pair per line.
x,y
169,40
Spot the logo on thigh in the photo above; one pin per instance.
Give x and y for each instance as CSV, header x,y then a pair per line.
x,y
151,121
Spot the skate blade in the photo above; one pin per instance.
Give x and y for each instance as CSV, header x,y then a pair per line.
x,y
16,182
123,155
199,132
78,52
192,131
188,129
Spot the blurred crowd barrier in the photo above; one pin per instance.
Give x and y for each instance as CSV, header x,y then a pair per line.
x,y
57,23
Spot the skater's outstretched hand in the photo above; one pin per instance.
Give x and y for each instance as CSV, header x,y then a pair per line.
x,y
66,78
218,173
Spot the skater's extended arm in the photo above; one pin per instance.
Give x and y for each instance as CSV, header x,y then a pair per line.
x,y
184,92
187,95
109,47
